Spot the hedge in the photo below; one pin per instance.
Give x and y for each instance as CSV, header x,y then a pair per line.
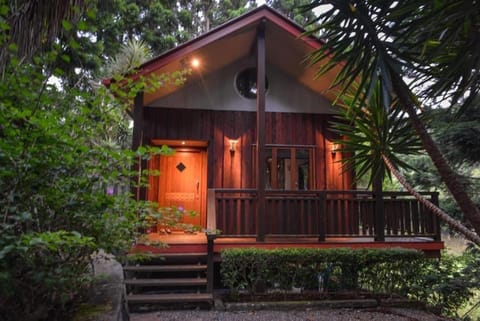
x,y
378,270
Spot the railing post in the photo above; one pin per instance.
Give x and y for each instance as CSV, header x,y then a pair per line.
x,y
211,211
210,254
436,222
379,208
321,217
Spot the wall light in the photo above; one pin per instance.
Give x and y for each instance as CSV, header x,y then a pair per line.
x,y
233,145
334,148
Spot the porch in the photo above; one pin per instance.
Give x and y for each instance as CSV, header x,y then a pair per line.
x,y
311,219
291,219
324,215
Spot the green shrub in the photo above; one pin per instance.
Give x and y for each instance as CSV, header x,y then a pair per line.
x,y
62,153
341,269
43,275
444,284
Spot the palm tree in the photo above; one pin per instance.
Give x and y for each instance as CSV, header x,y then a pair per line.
x,y
435,43
376,138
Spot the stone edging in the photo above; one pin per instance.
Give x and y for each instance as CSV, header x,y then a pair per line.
x,y
320,304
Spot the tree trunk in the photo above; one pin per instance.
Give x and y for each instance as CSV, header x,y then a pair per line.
x,y
454,224
450,178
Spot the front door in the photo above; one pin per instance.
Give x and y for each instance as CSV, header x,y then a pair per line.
x,y
182,183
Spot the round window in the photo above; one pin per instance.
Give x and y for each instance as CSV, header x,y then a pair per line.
x,y
246,83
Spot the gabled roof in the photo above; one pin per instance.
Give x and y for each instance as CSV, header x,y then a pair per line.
x,y
286,49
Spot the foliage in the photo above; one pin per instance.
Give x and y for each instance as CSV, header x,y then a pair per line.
x,y
368,133
43,274
294,10
242,269
388,41
59,157
457,137
457,133
18,16
131,55
444,284
383,39
167,217
109,24
447,284
161,25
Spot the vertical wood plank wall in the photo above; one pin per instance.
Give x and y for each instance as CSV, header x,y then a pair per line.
x,y
218,127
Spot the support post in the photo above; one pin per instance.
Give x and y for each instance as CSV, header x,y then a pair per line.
x,y
260,157
379,206
321,217
210,255
211,211
137,141
436,222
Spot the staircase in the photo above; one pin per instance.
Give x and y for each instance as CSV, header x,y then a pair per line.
x,y
177,280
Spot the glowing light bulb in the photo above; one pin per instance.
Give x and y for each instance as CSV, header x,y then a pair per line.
x,y
195,63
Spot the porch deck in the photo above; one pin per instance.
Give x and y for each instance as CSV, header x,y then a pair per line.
x,y
180,242
310,219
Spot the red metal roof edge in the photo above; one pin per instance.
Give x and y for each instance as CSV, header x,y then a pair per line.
x,y
252,16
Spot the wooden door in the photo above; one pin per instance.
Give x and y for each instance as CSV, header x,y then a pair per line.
x,y
182,182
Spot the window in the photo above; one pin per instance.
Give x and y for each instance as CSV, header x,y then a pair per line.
x,y
246,83
289,167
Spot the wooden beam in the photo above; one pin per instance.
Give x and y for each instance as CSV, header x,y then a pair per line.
x,y
260,157
210,265
293,169
322,208
138,119
379,207
211,211
137,140
436,220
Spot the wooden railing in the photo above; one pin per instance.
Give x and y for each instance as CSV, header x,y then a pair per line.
x,y
321,213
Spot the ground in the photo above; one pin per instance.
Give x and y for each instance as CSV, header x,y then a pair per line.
x,y
381,314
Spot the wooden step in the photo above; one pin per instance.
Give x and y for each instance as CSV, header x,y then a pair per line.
x,y
167,282
166,268
169,298
174,255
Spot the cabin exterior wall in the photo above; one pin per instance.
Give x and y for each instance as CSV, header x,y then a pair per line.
x,y
236,170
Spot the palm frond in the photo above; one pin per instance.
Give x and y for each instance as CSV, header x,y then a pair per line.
x,y
370,131
131,56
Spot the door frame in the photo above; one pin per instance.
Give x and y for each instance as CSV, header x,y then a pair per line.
x,y
196,146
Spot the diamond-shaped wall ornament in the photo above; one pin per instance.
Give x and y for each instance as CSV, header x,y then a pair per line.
x,y
180,167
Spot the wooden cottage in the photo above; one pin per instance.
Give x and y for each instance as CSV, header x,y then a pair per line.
x,y
254,155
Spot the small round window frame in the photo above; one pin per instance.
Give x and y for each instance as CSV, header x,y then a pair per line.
x,y
246,83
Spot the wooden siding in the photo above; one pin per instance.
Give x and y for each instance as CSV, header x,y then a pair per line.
x,y
228,169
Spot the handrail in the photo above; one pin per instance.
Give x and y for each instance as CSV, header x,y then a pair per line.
x,y
322,212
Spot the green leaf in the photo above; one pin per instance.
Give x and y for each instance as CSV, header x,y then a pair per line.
x,y
67,26
4,9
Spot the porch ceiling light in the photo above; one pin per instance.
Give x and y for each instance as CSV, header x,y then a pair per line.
x,y
195,63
